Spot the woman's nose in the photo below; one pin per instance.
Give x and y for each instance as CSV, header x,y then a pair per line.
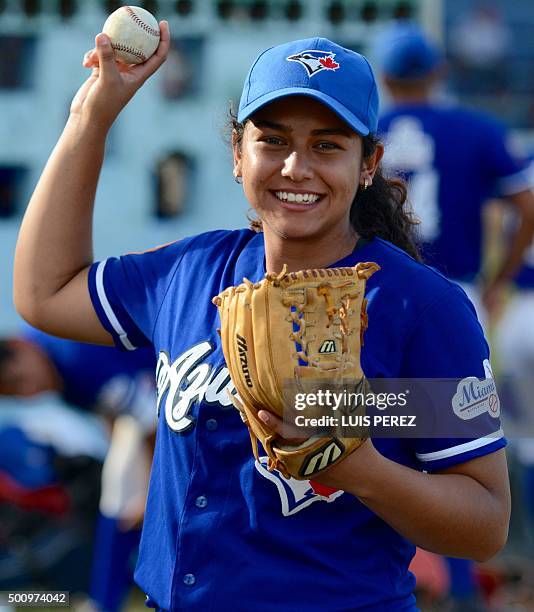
x,y
297,167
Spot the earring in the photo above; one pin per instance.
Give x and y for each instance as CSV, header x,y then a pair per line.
x,y
238,179
365,183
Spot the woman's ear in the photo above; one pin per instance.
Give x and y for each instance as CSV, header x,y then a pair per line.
x,y
370,164
236,150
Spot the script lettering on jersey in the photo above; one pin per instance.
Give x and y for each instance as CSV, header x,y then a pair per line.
x,y
242,349
189,379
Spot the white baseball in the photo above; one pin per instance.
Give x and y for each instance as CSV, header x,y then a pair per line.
x,y
134,34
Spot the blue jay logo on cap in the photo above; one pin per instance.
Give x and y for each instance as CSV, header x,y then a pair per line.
x,y
315,61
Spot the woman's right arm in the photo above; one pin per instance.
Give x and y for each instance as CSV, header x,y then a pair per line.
x,y
54,248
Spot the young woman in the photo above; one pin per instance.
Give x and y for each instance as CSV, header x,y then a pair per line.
x,y
221,532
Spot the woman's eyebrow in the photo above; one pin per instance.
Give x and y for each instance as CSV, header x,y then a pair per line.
x,y
264,123
333,132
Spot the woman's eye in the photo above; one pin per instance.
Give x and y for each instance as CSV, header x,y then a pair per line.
x,y
272,140
327,146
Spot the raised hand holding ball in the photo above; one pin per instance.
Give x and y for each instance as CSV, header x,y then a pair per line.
x,y
134,34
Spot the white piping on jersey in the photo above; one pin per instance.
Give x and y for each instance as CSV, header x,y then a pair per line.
x,y
460,448
515,183
101,292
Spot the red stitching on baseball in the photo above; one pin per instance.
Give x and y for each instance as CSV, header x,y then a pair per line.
x,y
130,50
140,22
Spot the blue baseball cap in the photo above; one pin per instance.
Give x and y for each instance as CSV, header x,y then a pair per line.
x,y
405,52
316,67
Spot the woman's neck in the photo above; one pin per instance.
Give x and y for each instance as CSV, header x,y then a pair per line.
x,y
302,254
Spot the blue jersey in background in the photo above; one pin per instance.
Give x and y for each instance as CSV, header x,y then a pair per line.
x,y
454,160
86,370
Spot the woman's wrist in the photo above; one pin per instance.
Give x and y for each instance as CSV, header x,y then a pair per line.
x,y
82,128
357,473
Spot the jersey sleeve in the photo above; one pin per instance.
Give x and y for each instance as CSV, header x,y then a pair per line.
x,y
447,348
507,166
127,292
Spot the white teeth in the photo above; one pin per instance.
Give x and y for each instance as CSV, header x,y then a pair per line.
x,y
297,197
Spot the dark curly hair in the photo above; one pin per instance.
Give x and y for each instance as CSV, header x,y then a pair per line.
x,y
378,211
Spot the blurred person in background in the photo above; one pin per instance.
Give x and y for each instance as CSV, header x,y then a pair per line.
x,y
514,342
120,386
50,465
454,160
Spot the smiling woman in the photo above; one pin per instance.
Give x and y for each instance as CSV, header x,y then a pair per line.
x,y
366,204
221,531
301,168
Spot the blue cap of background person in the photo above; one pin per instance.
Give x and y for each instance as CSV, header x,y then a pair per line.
x,y
405,52
316,67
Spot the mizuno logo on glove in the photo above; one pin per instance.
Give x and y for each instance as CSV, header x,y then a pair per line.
x,y
242,349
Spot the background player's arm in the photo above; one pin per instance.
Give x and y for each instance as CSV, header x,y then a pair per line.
x,y
54,249
519,242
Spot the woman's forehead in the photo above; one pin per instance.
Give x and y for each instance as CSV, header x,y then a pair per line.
x,y
302,111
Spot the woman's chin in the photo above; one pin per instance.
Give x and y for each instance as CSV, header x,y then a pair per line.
x,y
292,231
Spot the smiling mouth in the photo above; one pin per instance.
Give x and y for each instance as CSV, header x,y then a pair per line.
x,y
299,198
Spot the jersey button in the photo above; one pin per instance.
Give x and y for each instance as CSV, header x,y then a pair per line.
x,y
211,424
189,579
201,501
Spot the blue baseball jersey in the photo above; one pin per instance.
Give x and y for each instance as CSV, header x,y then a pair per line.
x,y
221,531
525,277
90,373
454,160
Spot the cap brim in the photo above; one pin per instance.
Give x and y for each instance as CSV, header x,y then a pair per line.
x,y
328,101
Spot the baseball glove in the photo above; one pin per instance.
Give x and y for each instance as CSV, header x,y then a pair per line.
x,y
294,332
